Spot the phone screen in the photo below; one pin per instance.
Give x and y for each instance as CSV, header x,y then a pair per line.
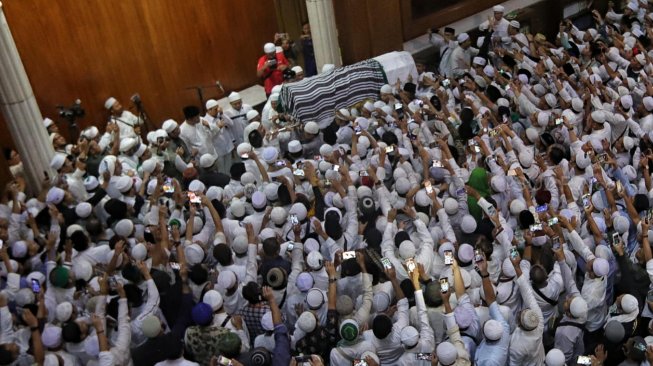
x,y
535,227
514,253
478,256
223,361
348,255
167,186
444,285
428,187
584,360
615,238
193,198
410,264
294,220
36,286
448,257
386,263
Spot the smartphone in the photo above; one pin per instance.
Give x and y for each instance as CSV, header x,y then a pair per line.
x,y
410,264
514,253
552,221
280,163
2,243
112,282
298,172
477,149
507,87
493,132
336,168
584,360
348,255
294,220
512,173
357,129
444,285
423,356
36,286
360,362
559,121
168,187
586,200
461,192
519,235
193,198
327,183
478,256
541,208
175,265
448,257
437,163
615,238
620,187
445,83
363,173
428,187
535,227
244,155
223,361
386,263
505,118
389,149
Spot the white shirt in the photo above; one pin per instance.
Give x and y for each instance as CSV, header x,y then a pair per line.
x,y
126,122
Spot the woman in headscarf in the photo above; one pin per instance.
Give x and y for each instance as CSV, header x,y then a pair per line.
x,y
478,180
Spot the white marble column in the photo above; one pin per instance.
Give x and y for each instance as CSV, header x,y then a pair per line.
x,y
21,112
324,32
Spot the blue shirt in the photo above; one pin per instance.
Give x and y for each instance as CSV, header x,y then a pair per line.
x,y
494,353
281,354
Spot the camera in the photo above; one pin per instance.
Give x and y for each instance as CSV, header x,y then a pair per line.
x,y
73,112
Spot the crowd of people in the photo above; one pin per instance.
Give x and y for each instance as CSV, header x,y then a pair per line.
x,y
495,211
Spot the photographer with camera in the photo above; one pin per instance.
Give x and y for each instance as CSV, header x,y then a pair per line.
x,y
128,123
270,67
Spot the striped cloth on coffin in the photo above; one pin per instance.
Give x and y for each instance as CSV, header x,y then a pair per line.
x,y
317,98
